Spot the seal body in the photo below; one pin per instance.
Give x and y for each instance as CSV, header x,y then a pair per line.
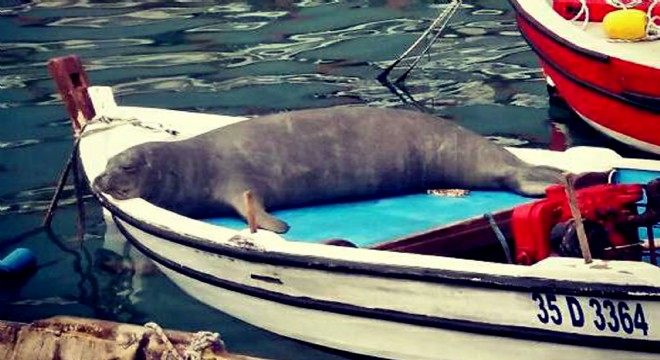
x,y
311,156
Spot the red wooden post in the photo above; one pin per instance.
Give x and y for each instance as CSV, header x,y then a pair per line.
x,y
72,84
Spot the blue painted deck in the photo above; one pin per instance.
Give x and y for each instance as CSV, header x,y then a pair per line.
x,y
370,222
373,221
639,177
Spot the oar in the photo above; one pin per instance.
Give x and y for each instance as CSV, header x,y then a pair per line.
x,y
577,217
251,215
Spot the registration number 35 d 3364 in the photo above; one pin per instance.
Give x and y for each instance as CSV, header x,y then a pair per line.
x,y
603,314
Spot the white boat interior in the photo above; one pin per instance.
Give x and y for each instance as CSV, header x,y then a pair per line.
x,y
592,38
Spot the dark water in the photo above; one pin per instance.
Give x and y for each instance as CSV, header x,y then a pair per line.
x,y
248,57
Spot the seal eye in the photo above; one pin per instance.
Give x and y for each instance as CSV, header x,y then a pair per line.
x,y
129,169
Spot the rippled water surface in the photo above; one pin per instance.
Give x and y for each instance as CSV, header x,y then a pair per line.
x,y
246,57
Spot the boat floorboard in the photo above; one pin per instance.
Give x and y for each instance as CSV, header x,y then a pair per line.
x,y
370,222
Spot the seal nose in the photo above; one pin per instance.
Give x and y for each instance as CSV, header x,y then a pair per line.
x,y
101,182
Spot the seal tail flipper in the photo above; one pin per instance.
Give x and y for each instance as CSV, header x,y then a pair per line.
x,y
533,180
256,210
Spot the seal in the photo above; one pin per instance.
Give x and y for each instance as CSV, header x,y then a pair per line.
x,y
303,157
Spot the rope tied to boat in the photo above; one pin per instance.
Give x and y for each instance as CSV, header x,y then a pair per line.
x,y
624,4
201,340
652,29
430,35
584,9
171,350
113,122
653,24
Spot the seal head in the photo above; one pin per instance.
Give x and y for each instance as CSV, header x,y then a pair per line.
x,y
122,178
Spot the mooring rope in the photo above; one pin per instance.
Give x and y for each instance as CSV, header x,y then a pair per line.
x,y
113,122
584,9
170,349
436,27
652,27
624,4
200,341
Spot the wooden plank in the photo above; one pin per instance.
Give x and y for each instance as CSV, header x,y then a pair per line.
x,y
71,338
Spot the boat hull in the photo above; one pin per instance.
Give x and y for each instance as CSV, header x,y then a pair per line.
x,y
389,317
617,97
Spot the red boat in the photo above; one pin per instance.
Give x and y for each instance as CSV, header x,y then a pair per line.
x,y
613,85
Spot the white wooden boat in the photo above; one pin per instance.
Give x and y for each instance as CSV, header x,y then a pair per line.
x,y
395,295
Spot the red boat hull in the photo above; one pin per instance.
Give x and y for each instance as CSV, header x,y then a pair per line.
x,y
619,98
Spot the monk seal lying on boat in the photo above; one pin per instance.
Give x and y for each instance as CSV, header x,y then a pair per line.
x,y
311,156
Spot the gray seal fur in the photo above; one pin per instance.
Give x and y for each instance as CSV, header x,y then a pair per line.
x,y
303,157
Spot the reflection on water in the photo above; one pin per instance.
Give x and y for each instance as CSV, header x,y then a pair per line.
x,y
231,57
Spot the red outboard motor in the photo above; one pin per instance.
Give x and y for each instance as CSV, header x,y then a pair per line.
x,y
605,209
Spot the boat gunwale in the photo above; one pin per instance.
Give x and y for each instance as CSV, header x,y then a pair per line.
x,y
593,54
513,331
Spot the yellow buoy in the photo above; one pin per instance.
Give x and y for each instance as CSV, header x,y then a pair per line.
x,y
626,24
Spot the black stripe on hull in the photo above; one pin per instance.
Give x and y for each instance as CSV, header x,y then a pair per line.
x,y
517,332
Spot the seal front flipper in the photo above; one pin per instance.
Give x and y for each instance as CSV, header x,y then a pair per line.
x,y
268,222
264,220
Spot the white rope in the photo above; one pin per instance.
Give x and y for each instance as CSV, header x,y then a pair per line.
x,y
439,25
652,28
113,122
195,349
201,341
431,34
624,5
170,349
584,9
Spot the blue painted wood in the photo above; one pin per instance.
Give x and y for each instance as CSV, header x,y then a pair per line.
x,y
627,176
639,177
373,221
370,222
19,261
